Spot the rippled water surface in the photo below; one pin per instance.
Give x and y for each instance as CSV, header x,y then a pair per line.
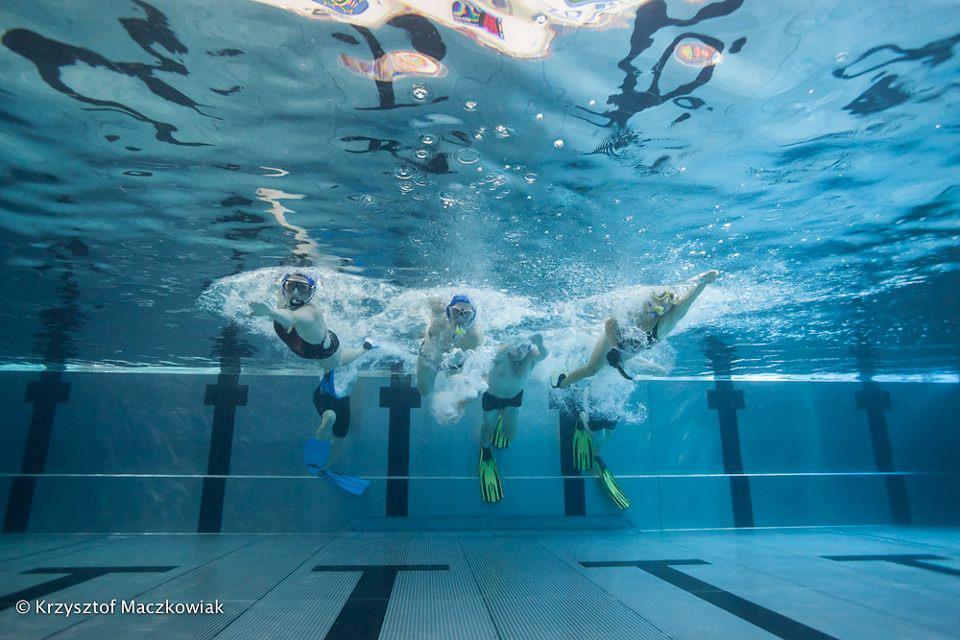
x,y
160,162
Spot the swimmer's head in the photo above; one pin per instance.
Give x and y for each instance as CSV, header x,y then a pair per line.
x,y
297,289
520,350
461,313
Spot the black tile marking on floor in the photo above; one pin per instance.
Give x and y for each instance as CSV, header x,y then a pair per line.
x,y
270,590
905,559
361,617
225,397
400,397
770,621
176,576
574,488
74,576
726,401
875,402
45,394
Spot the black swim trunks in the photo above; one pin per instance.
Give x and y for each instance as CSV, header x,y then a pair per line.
x,y
326,401
599,424
489,402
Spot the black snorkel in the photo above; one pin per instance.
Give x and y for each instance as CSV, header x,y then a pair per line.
x,y
615,360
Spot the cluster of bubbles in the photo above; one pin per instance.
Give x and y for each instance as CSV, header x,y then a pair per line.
x,y
493,183
420,92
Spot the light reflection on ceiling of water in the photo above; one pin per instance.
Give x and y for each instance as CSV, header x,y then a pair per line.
x,y
557,150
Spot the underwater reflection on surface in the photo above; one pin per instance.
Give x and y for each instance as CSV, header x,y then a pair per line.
x,y
560,152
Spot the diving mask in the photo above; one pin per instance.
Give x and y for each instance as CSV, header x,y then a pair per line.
x,y
298,288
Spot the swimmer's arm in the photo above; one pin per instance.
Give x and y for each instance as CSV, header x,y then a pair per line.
x,y
473,339
537,339
437,306
649,365
287,318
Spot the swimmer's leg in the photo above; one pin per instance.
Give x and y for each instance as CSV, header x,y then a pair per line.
x,y
426,377
348,355
511,419
490,419
597,359
325,432
670,319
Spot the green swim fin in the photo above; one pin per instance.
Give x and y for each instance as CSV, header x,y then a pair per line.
x,y
610,484
490,489
583,452
500,441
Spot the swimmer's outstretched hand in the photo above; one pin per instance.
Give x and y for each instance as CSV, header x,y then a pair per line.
x,y
259,309
708,276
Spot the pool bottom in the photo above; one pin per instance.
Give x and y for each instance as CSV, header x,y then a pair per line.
x,y
846,582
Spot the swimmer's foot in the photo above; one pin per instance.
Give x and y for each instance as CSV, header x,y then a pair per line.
x,y
559,383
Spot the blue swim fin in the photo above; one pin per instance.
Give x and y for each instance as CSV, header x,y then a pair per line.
x,y
315,455
350,484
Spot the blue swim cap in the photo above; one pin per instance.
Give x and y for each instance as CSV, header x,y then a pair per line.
x,y
460,297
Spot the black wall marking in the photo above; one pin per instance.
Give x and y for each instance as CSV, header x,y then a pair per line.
x,y
875,401
45,394
400,397
574,488
726,401
907,560
361,617
224,397
73,577
770,621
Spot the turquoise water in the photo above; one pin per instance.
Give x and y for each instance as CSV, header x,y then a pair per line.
x,y
163,162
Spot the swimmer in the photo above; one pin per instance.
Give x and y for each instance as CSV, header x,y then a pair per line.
x,y
653,317
300,324
452,332
501,405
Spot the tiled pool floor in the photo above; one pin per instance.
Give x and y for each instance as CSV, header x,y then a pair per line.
x,y
857,582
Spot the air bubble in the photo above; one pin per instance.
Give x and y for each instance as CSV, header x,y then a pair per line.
x,y
503,131
530,177
420,92
540,18
558,143
467,156
470,105
841,57
421,154
403,172
428,139
539,116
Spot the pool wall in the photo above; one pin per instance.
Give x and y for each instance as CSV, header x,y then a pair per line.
x,y
176,452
